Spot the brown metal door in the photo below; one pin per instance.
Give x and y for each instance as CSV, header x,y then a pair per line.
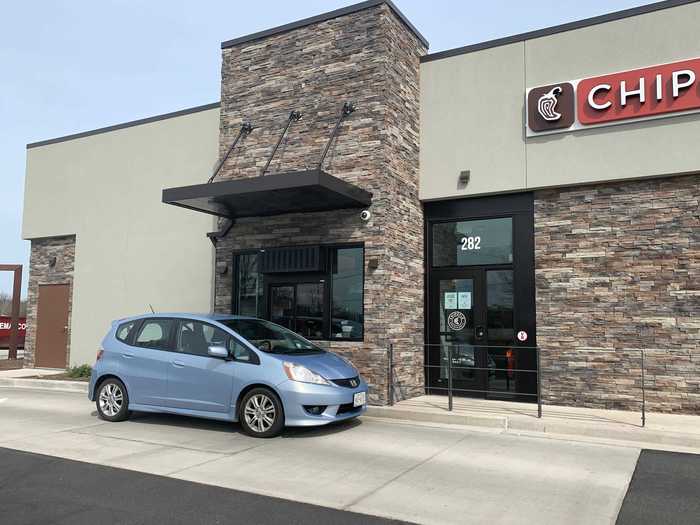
x,y
52,325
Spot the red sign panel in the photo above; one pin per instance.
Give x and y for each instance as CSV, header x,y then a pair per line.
x,y
5,325
640,93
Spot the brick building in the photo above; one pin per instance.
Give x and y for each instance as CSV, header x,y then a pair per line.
x,y
456,210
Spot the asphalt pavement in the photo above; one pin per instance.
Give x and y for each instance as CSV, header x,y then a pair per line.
x,y
665,488
38,489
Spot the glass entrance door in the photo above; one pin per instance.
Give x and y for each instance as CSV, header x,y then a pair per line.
x,y
470,332
457,326
299,307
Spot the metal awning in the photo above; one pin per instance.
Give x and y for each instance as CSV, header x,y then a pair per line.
x,y
294,192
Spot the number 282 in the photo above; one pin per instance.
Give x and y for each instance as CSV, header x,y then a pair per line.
x,y
471,243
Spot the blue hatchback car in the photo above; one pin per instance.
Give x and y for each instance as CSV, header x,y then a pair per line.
x,y
223,367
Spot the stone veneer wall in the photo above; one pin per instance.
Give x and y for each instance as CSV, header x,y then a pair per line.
x,y
370,58
618,270
40,272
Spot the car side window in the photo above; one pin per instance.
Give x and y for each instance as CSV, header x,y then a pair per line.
x,y
124,330
242,353
195,337
154,333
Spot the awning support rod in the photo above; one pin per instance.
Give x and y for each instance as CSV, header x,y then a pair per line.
x,y
348,108
246,128
294,116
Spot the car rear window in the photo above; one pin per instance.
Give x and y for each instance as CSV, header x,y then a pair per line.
x,y
154,333
124,330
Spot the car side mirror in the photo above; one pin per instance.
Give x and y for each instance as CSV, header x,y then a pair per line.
x,y
218,351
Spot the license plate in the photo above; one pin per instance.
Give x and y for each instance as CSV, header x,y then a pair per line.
x,y
359,399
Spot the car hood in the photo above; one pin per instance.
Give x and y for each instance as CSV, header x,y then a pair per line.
x,y
327,364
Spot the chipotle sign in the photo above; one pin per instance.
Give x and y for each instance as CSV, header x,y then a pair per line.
x,y
650,92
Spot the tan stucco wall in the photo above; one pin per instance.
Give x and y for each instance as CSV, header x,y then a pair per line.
x,y
131,250
472,110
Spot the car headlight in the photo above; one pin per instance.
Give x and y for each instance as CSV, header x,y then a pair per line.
x,y
302,374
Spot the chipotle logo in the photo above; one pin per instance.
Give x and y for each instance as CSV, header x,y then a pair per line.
x,y
551,107
650,92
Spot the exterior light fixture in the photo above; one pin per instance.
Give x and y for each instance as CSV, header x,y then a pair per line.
x,y
464,177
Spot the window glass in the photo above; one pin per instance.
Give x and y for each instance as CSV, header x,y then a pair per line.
x,y
464,243
195,337
347,281
270,337
250,286
499,319
499,313
308,319
304,303
282,305
124,330
241,353
154,333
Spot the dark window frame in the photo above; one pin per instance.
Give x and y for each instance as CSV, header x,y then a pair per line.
x,y
229,337
327,276
130,334
519,206
335,248
235,303
136,331
255,358
176,336
294,280
432,222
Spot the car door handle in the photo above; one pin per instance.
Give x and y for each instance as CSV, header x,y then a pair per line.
x,y
127,356
178,364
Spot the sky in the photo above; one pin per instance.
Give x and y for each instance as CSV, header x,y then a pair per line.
x,y
71,66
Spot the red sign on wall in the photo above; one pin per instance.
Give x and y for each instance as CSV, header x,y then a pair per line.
x,y
640,93
5,325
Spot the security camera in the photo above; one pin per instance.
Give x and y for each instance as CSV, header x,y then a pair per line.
x,y
365,215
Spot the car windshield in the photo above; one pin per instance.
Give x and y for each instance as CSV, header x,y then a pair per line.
x,y
270,337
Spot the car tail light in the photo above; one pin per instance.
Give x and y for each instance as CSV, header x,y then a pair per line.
x,y
99,355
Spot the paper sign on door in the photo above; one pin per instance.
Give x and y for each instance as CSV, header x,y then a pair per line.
x,y
450,300
465,300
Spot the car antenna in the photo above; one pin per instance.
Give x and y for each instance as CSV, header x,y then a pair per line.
x,y
151,307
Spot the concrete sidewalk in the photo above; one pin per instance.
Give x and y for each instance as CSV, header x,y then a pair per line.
x,y
410,472
662,431
27,378
678,433
29,372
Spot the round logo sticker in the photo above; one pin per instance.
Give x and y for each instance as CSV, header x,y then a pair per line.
x,y
456,321
522,335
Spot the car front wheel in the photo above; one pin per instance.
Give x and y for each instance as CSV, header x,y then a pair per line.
x,y
261,413
112,400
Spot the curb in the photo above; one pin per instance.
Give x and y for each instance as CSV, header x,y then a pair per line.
x,y
45,384
632,436
497,422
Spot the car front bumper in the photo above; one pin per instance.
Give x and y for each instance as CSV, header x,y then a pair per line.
x,y
336,400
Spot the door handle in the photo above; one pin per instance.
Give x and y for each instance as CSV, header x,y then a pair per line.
x,y
127,356
178,364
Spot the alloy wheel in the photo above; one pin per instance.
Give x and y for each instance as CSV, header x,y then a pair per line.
x,y
259,413
111,399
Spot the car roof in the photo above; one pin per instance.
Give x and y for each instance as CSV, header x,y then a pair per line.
x,y
187,315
